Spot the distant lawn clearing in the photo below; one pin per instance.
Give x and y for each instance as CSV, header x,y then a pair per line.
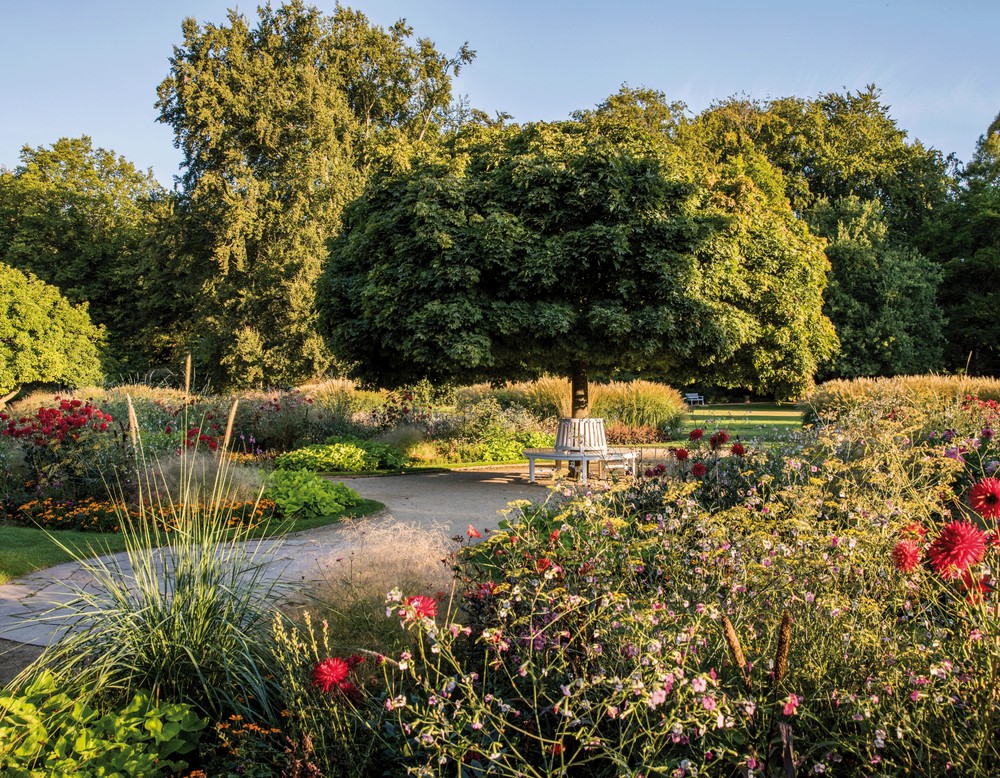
x,y
748,420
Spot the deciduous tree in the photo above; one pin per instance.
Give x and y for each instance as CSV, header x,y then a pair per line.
x,y
567,247
43,337
279,124
79,218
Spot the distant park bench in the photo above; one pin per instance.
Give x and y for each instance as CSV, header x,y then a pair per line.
x,y
581,441
693,398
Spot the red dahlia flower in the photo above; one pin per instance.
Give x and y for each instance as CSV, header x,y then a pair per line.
x,y
975,585
698,470
695,434
959,546
330,673
681,454
719,439
738,449
906,556
984,497
423,606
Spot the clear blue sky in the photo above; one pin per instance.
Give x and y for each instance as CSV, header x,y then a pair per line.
x,y
75,67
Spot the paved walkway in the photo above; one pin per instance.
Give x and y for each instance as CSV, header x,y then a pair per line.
x,y
447,502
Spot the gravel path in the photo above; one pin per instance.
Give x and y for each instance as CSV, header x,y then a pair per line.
x,y
446,501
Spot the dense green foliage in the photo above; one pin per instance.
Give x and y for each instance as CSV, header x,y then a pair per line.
x,y
572,246
349,455
731,249
44,337
45,731
301,494
278,125
81,219
854,179
969,246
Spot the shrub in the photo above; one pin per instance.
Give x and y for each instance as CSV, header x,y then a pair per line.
x,y
342,455
68,447
341,398
620,434
544,398
694,621
303,495
486,432
45,731
279,421
927,395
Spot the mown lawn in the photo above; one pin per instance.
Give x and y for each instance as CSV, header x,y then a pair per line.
x,y
762,421
25,549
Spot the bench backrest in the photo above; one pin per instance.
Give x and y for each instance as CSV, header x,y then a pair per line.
x,y
581,435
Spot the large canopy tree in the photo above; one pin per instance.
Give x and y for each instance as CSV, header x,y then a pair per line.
x,y
43,337
969,248
854,178
279,124
78,218
567,247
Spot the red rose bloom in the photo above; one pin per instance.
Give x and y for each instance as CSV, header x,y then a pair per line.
x,y
681,454
959,546
906,556
698,470
330,673
695,434
738,449
984,497
423,606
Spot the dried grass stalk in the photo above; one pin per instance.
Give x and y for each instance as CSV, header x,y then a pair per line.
x,y
735,649
784,644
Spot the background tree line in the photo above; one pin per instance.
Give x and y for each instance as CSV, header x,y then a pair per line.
x,y
757,244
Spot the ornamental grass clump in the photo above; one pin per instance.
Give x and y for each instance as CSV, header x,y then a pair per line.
x,y
184,612
638,404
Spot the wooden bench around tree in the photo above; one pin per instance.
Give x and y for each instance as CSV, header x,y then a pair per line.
x,y
580,442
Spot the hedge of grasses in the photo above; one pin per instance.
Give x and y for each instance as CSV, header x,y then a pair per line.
x,y
928,395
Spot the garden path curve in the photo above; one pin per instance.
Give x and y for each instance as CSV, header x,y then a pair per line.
x,y
446,501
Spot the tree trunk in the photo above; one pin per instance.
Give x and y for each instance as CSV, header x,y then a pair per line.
x,y
580,390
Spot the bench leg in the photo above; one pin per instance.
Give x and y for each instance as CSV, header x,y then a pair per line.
x,y
531,470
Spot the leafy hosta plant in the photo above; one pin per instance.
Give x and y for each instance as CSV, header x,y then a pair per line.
x,y
301,494
342,455
45,731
